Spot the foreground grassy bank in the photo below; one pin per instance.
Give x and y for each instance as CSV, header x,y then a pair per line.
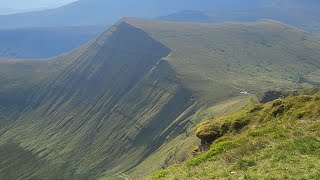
x,y
276,140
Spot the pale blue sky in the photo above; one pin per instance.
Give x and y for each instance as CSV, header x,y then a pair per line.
x,y
32,4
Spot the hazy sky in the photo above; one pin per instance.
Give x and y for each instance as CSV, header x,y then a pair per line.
x,y
31,4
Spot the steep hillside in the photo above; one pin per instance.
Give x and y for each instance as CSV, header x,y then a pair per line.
x,y
94,103
136,92
221,60
277,140
36,43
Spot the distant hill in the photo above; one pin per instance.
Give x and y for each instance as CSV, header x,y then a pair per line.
x,y
7,11
128,101
31,43
304,16
189,16
23,43
102,12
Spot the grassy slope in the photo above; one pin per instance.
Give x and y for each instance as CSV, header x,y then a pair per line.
x,y
279,140
198,58
104,107
113,103
219,60
177,149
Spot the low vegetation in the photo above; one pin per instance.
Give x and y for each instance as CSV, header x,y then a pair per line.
x,y
276,140
129,101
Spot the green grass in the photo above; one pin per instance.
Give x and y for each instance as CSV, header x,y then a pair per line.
x,y
272,146
220,60
86,113
129,101
15,161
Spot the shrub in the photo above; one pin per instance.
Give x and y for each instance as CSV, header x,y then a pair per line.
x,y
238,124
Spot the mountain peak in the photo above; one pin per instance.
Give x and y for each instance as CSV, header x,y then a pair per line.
x,y
125,35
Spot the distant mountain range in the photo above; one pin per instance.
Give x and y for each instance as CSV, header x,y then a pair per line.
x,y
7,11
305,18
102,12
84,19
31,43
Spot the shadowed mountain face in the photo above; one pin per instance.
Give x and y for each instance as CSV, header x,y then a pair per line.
x,y
116,102
110,101
35,43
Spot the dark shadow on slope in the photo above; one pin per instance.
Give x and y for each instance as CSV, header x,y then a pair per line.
x,y
79,103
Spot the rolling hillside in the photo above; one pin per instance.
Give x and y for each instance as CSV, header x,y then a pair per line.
x,y
136,93
36,43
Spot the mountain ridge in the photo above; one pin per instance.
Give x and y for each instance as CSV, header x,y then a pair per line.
x,y
51,101
123,98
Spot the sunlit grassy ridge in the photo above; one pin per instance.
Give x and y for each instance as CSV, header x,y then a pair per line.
x,y
219,60
279,140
